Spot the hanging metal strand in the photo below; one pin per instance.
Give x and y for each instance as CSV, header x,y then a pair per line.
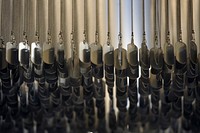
x,y
108,22
1,17
26,8
167,21
1,25
132,34
120,36
143,22
191,20
62,3
158,23
97,23
61,21
50,20
12,20
73,47
37,20
179,31
155,23
85,21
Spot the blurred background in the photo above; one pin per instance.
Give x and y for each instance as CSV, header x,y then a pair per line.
x,y
91,21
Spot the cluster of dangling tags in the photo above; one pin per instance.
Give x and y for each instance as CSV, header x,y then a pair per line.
x,y
41,90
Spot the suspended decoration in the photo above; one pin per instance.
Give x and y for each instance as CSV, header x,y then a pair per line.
x,y
100,88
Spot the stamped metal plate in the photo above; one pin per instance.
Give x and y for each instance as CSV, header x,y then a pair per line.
x,y
108,53
132,54
36,53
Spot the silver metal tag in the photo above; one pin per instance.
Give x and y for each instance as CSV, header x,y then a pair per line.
x,y
132,54
124,63
181,52
84,52
22,45
48,55
96,53
36,49
169,54
11,46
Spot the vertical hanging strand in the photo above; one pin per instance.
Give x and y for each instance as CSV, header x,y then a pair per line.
x,y
85,20
37,95
75,75
132,33
180,68
3,70
13,67
192,70
156,62
143,21
108,53
144,78
167,21
72,33
97,22
12,20
196,114
1,21
179,31
108,18
12,17
120,36
37,20
121,64
132,73
167,74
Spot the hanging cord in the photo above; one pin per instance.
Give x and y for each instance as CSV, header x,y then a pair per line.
x,y
26,7
199,21
143,22
179,31
61,15
192,33
155,23
97,23
85,21
1,26
1,18
167,22
120,36
37,21
50,20
132,34
12,20
61,21
108,22
73,47
158,33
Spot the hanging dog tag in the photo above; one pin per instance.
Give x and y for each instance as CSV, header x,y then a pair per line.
x,y
124,64
108,52
24,53
192,51
84,52
144,56
156,59
60,54
48,53
96,53
12,53
181,53
132,54
169,54
36,53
